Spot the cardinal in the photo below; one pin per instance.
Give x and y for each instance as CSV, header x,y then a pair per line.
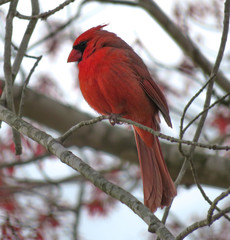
x,y
115,81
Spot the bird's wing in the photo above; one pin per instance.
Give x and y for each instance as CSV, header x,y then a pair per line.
x,y
150,87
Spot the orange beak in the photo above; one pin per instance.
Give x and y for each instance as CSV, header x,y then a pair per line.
x,y
74,56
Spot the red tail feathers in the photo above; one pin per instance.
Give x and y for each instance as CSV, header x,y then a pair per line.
x,y
158,186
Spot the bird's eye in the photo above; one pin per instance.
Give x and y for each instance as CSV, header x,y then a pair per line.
x,y
81,46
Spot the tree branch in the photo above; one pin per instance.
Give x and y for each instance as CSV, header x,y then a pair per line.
x,y
201,224
58,29
44,110
47,14
26,38
8,70
89,173
189,156
4,1
20,109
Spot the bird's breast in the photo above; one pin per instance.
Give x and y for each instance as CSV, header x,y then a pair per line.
x,y
109,85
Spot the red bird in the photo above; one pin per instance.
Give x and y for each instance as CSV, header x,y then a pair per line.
x,y
114,80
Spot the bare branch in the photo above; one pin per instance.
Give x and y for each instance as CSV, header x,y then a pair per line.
x,y
182,129
47,14
209,92
8,70
7,54
78,209
201,224
3,2
96,178
156,133
189,156
58,30
205,110
25,85
21,163
26,55
214,203
26,38
211,83
205,196
79,125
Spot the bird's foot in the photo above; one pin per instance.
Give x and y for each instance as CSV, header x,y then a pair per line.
x,y
113,119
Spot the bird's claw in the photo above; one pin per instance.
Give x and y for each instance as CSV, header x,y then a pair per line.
x,y
113,119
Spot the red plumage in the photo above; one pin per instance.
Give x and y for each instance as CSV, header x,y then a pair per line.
x,y
114,80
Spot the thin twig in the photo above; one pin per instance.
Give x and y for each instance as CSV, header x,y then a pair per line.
x,y
57,30
21,163
205,196
26,55
207,109
74,178
78,211
21,104
182,130
201,224
79,125
45,15
214,203
156,133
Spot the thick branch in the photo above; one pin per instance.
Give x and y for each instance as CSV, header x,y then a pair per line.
x,y
96,178
3,2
